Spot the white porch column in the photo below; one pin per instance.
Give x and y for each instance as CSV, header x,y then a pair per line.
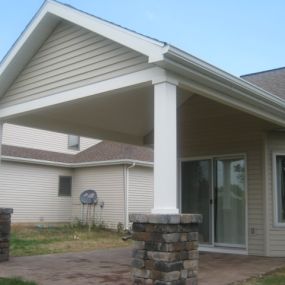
x,y
165,149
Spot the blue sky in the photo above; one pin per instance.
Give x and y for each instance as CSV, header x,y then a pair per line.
x,y
239,36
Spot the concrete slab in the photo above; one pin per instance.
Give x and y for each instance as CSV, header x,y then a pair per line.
x,y
111,266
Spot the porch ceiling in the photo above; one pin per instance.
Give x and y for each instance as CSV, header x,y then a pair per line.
x,y
125,116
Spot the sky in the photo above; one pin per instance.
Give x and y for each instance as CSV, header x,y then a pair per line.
x,y
238,36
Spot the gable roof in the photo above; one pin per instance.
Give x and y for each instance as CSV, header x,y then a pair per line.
x,y
272,80
104,151
194,74
44,22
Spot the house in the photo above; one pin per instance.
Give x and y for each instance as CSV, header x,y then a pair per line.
x,y
43,173
218,139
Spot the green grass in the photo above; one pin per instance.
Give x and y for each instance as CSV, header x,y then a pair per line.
x,y
274,278
15,281
36,241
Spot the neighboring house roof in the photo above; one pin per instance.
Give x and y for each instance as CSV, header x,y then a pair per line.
x,y
272,80
36,154
105,151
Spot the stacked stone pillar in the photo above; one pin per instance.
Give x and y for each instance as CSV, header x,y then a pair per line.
x,y
5,227
165,249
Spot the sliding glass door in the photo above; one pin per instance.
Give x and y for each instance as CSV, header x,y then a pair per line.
x,y
230,202
215,188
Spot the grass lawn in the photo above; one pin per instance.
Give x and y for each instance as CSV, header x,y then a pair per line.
x,y
36,241
274,278
15,281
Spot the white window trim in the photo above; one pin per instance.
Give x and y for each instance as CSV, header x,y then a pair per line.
x,y
276,223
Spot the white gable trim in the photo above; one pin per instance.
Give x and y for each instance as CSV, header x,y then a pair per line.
x,y
147,46
151,48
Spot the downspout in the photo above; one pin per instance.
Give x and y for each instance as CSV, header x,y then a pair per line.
x,y
126,175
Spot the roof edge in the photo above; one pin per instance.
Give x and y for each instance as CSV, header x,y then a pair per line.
x,y
76,165
263,71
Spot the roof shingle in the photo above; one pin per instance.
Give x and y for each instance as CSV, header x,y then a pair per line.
x,y
272,81
103,151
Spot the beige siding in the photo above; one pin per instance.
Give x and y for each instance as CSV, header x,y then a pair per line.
x,y
209,128
108,181
72,57
140,189
276,235
41,139
32,191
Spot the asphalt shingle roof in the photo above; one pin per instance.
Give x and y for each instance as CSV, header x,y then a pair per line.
x,y
103,151
272,81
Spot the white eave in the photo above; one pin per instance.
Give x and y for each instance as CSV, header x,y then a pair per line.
x,y
208,80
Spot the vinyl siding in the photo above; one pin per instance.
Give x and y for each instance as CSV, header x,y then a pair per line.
x,y
276,235
140,189
108,181
208,128
32,191
70,58
41,139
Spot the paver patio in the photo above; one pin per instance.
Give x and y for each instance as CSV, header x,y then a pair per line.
x,y
112,267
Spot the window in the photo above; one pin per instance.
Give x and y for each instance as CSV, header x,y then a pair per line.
x,y
73,142
280,189
64,186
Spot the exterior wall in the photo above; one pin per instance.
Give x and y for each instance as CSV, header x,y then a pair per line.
x,y
108,181
140,190
32,191
41,139
71,57
276,235
211,129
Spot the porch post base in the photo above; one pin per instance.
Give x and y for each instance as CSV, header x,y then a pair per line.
x,y
165,249
5,227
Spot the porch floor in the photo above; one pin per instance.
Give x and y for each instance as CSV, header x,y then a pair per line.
x,y
112,267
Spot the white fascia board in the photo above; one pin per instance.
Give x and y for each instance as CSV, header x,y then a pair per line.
x,y
76,165
142,44
23,38
25,46
205,67
139,78
206,79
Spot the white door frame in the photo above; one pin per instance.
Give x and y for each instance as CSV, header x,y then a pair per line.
x,y
214,246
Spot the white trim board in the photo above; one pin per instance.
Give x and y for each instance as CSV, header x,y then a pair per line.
x,y
76,165
137,79
276,224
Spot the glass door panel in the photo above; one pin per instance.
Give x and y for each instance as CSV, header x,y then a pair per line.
x,y
196,194
230,202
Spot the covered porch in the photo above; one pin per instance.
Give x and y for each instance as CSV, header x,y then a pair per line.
x,y
209,154
74,73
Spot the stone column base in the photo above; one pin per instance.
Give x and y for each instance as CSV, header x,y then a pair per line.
x,y
165,249
5,227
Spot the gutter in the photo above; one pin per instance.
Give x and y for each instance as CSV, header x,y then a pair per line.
x,y
219,74
207,80
126,175
76,165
